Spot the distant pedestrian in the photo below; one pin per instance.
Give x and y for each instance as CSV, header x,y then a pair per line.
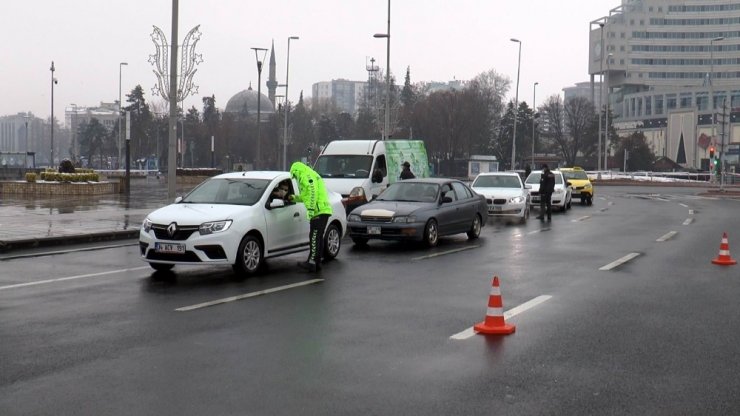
x,y
547,187
527,171
313,194
406,171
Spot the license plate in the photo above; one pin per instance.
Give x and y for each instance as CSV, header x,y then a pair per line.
x,y
173,248
373,230
497,208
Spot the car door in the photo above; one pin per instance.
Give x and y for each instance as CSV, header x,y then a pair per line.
x,y
287,226
447,216
466,207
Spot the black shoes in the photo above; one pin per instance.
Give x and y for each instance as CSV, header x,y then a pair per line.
x,y
308,266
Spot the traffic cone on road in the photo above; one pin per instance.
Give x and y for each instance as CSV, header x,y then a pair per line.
x,y
724,258
494,322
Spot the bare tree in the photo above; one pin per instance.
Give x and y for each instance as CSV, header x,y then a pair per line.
x,y
552,124
579,116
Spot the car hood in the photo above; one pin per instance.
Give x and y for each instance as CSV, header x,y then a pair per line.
x,y
343,186
195,214
500,192
393,207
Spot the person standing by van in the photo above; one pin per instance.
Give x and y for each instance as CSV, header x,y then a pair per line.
x,y
314,196
406,171
547,187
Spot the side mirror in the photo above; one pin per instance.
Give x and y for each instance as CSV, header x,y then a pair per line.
x,y
567,183
276,203
527,186
445,199
178,199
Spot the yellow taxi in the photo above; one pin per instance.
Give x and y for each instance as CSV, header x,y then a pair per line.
x,y
582,187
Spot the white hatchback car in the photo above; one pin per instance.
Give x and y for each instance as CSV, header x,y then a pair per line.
x,y
561,198
505,194
235,219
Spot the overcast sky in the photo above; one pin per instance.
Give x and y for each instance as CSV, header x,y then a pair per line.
x,y
440,40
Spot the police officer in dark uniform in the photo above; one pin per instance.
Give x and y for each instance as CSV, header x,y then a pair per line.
x,y
547,187
406,172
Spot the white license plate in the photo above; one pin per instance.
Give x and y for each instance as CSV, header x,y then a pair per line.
x,y
373,230
496,208
169,248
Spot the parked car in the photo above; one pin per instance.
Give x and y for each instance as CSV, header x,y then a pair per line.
x,y
582,187
561,198
419,210
505,193
235,219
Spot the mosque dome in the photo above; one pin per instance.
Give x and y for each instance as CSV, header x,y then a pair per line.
x,y
248,98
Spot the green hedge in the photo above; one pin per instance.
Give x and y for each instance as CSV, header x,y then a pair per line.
x,y
51,176
30,177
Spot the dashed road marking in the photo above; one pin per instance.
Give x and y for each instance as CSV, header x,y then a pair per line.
x,y
508,314
691,212
442,253
584,218
688,221
667,236
63,279
619,262
683,205
247,295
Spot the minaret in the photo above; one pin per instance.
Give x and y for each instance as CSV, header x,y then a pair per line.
x,y
272,81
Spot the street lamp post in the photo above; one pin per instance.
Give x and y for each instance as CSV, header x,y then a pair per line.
x,y
120,106
534,113
601,98
605,97
128,153
516,104
259,97
53,81
387,36
25,158
287,108
74,133
711,92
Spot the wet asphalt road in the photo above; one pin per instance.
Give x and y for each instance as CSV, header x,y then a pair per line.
x,y
92,332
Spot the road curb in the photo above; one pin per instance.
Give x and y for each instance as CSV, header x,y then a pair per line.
x,y
10,245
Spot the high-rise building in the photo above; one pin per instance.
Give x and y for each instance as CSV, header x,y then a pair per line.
x,y
664,62
346,95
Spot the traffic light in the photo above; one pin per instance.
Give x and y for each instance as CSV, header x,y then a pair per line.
x,y
711,152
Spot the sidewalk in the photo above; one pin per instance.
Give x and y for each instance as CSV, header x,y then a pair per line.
x,y
27,222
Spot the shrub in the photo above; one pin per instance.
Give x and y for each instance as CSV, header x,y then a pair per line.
x,y
30,177
66,166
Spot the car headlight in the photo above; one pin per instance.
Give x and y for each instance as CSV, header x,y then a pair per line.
x,y
559,191
214,227
405,218
354,218
588,186
147,225
516,200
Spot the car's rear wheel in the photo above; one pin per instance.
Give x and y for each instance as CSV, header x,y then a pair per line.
x,y
332,242
431,233
249,258
162,267
474,230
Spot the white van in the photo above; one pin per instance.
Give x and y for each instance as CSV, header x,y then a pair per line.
x,y
360,169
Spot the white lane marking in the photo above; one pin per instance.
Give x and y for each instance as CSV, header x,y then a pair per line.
x,y
508,314
611,203
534,232
621,261
73,250
442,253
691,212
683,205
667,236
585,217
62,279
688,221
247,295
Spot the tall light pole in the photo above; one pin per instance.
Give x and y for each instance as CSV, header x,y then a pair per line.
x,y
711,86
53,81
25,158
601,98
534,113
605,97
120,106
287,108
258,159
516,104
387,36
74,133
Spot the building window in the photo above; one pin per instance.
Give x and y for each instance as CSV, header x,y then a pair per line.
x,y
670,101
648,106
658,105
686,100
702,101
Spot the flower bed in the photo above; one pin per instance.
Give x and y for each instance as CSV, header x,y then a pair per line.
x,y
57,188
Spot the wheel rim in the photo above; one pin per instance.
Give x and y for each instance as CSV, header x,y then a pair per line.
x,y
476,226
332,241
432,233
251,255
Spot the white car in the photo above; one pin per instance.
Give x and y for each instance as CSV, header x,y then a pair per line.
x,y
235,219
505,194
561,198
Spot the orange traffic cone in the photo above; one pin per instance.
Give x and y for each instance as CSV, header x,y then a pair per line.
x,y
494,322
724,258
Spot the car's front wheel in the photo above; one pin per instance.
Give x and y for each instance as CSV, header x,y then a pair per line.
x,y
249,258
474,230
332,242
431,233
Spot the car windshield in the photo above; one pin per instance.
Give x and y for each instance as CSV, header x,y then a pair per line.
x,y
233,191
534,178
497,181
344,166
410,191
575,174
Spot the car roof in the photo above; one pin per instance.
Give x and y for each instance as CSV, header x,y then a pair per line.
x,y
438,181
507,173
253,174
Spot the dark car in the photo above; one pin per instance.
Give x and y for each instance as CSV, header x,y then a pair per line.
x,y
419,210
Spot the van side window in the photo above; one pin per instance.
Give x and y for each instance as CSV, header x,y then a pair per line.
x,y
380,164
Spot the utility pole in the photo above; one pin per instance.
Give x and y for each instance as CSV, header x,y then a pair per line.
x,y
721,165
